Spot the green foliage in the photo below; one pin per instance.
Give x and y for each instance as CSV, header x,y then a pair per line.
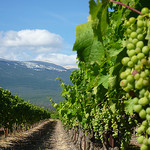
x,y
137,87
95,101
99,18
16,110
89,49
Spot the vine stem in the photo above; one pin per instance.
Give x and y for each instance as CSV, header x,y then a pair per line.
x,y
126,6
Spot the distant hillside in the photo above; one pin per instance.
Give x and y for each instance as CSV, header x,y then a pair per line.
x,y
33,80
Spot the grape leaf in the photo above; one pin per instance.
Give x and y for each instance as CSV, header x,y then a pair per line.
x,y
88,49
104,81
129,106
113,107
112,81
114,52
99,18
95,90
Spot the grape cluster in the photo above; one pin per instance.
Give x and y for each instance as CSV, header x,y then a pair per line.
x,y
135,79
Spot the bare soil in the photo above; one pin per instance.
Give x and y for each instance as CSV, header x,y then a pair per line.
x,y
49,135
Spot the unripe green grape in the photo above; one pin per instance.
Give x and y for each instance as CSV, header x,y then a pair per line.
x,y
129,87
143,101
123,83
148,63
140,23
131,53
145,141
148,110
130,40
135,101
140,80
130,64
144,61
145,23
130,46
149,141
145,50
130,78
140,17
137,108
134,59
149,96
140,55
127,24
128,95
138,50
146,93
132,20
143,128
133,35
125,61
148,131
134,41
128,71
137,67
145,10
133,28
141,92
139,61
140,37
142,114
123,75
147,72
139,31
139,130
145,123
128,31
145,82
140,44
140,139
137,76
148,117
143,75
144,147
148,23
139,84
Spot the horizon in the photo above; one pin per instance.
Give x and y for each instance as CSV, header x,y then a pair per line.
x,y
64,66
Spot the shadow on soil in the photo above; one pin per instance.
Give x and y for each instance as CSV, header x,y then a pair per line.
x,y
37,141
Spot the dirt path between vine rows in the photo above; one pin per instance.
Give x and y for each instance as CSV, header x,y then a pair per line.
x,y
49,135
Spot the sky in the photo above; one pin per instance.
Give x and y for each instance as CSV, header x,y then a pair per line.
x,y
42,30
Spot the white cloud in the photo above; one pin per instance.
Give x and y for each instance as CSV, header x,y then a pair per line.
x,y
58,58
34,45
30,38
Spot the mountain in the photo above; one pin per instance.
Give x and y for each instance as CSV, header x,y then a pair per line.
x,y
34,81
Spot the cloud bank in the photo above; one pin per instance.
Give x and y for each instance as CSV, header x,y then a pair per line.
x,y
34,45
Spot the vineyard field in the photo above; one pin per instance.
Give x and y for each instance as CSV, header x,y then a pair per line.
x,y
110,95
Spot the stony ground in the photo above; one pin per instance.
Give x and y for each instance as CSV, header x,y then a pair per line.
x,y
49,135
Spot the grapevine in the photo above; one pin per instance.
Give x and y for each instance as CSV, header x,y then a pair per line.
x,y
15,110
110,93
136,76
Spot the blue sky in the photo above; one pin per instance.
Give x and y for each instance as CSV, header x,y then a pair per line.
x,y
40,29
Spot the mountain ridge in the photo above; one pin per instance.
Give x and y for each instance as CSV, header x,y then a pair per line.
x,y
34,81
